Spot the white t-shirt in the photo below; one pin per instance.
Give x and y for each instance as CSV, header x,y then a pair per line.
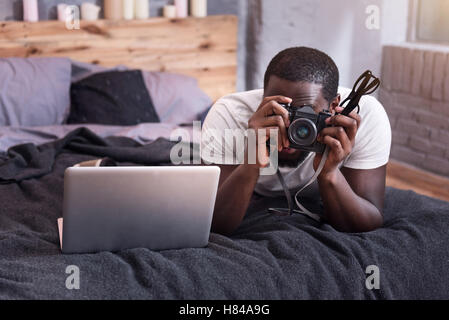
x,y
371,149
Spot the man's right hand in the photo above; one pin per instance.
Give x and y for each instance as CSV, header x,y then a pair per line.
x,y
270,115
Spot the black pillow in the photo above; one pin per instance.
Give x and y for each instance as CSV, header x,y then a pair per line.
x,y
111,98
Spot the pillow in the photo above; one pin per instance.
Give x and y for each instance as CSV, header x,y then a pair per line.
x,y
34,91
111,98
82,70
177,98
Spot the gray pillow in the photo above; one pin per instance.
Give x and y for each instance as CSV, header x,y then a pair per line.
x,y
177,98
34,91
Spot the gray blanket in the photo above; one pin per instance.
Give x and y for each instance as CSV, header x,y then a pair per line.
x,y
268,257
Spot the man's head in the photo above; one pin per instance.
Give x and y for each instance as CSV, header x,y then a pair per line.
x,y
306,75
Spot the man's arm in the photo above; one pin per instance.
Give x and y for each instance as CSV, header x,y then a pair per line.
x,y
237,183
235,189
353,199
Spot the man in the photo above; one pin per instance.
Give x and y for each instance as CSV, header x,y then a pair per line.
x,y
352,181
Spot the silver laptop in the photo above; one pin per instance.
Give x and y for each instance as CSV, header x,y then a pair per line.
x,y
115,208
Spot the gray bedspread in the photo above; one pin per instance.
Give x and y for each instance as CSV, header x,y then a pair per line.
x,y
268,257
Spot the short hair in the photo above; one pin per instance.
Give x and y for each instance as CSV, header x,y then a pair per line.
x,y
308,65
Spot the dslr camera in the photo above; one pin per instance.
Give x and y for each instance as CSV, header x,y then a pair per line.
x,y
304,127
305,124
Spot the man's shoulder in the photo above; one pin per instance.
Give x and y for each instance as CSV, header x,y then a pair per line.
x,y
373,139
234,110
246,99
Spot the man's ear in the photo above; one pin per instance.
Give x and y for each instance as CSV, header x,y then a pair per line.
x,y
335,103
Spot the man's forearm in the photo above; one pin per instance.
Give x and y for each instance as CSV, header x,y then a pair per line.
x,y
343,208
233,198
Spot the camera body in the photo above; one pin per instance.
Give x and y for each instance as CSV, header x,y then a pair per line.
x,y
304,127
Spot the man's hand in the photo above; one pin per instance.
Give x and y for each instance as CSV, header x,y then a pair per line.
x,y
340,140
270,115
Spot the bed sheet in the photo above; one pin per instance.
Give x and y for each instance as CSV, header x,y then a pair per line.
x,y
267,257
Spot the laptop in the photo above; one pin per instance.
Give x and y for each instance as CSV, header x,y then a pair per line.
x,y
117,208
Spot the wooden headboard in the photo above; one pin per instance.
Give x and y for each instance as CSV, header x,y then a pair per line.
x,y
204,48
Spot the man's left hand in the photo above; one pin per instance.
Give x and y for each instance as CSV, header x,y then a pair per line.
x,y
339,138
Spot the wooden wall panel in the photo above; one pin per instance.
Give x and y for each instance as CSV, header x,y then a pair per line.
x,y
204,48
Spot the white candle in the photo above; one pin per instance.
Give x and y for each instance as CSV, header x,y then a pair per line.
x,y
142,9
128,9
113,9
62,16
30,11
181,8
89,11
169,11
198,8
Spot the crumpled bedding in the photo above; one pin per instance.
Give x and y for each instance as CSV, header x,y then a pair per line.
x,y
268,257
142,133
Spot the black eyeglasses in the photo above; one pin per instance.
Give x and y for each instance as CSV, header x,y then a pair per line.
x,y
362,87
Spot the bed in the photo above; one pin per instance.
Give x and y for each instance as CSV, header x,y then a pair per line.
x,y
268,257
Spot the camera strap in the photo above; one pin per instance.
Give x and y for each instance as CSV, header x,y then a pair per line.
x,y
302,209
367,83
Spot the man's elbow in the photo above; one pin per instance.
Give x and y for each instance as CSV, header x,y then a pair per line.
x,y
370,225
367,224
225,229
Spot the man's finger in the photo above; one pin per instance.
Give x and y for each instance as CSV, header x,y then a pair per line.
x,y
268,130
263,136
353,114
334,145
263,155
350,124
338,133
279,99
277,121
274,108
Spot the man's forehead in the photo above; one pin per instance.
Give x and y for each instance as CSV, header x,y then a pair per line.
x,y
276,84
300,92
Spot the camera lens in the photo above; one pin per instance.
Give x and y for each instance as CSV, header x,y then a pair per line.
x,y
302,132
